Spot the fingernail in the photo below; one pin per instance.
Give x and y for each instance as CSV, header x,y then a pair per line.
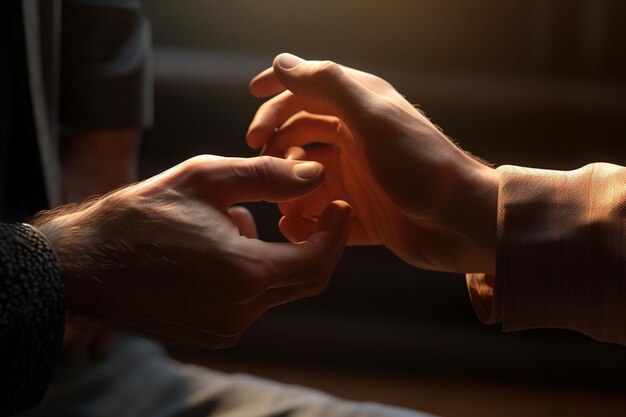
x,y
288,61
307,170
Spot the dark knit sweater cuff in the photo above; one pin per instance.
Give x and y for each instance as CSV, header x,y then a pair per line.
x,y
32,316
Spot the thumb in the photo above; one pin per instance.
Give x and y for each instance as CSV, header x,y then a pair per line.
x,y
237,180
323,81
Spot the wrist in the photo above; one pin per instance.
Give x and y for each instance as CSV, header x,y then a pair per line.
x,y
475,217
71,242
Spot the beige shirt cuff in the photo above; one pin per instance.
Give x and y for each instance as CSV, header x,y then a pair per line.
x,y
561,252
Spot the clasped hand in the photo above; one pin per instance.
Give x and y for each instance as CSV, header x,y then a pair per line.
x,y
410,187
172,258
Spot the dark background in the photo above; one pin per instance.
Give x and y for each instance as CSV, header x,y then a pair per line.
x,y
536,83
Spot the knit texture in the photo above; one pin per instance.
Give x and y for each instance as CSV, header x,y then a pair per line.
x,y
32,316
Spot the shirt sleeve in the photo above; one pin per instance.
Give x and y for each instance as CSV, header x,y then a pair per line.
x,y
561,252
106,74
32,316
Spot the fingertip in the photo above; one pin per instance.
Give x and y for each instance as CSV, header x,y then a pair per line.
x,y
252,87
297,229
244,221
295,153
264,84
336,216
254,138
309,171
286,61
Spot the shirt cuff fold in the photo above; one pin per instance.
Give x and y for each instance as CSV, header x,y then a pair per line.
x,y
561,252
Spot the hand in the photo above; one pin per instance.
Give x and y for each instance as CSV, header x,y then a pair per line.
x,y
410,187
169,257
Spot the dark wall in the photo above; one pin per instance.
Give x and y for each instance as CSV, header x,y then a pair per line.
x,y
561,37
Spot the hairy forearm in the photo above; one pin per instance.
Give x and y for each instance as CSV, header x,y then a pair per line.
x,y
75,244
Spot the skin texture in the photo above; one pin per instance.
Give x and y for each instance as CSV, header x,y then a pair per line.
x,y
410,187
170,257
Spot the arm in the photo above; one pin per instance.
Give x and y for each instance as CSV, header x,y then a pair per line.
x,y
106,97
412,188
560,236
170,258
32,313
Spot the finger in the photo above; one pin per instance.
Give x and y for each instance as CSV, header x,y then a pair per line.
x,y
323,81
298,229
235,180
277,296
245,222
294,152
304,129
312,205
276,111
266,84
290,264
331,189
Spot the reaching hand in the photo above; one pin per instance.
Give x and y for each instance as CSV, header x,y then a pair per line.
x,y
169,257
410,187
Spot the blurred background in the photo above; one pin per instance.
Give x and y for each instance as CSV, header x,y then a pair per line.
x,y
538,83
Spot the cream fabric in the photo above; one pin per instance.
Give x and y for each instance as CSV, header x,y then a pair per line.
x,y
561,252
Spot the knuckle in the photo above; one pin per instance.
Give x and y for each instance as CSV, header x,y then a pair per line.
x,y
326,71
261,167
198,169
196,163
